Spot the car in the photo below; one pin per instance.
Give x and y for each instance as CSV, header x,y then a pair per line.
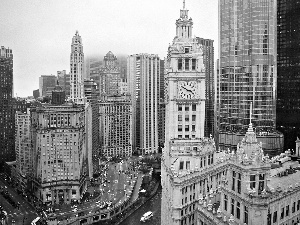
x,y
74,210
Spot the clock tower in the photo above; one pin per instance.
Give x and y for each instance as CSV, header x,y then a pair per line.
x,y
185,145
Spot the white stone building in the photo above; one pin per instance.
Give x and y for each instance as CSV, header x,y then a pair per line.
x,y
143,84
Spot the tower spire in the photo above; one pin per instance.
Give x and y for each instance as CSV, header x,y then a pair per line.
x,y
183,4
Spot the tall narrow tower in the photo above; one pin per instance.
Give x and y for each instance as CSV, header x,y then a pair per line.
x,y
77,69
185,143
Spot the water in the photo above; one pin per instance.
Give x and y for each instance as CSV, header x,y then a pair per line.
x,y
153,205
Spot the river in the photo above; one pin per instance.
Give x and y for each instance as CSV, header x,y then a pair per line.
x,y
153,205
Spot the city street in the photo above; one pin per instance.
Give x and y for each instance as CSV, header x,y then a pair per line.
x,y
24,215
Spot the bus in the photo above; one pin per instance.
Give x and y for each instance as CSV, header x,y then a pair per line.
x,y
36,221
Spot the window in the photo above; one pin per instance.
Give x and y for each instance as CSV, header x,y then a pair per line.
x,y
179,64
193,64
212,159
201,162
179,107
187,165
193,117
282,213
179,128
261,183
187,64
232,206
287,210
187,136
298,205
186,50
294,207
186,108
233,180
275,217
208,160
225,202
245,214
239,183
187,127
179,117
194,107
193,127
238,210
181,165
187,118
252,181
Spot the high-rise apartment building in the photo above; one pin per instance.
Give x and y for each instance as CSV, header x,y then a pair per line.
x,y
6,111
248,73
208,54
288,71
115,129
77,69
60,157
47,84
90,90
143,83
186,149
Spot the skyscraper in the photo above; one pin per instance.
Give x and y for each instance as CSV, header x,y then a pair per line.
x,y
110,76
208,58
186,149
288,71
64,81
6,110
115,125
77,69
59,146
143,83
248,73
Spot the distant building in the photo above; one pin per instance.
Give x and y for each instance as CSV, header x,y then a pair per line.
x,y
123,88
90,90
46,83
248,73
288,71
64,81
115,129
6,110
76,69
110,76
143,71
60,157
36,93
58,96
208,53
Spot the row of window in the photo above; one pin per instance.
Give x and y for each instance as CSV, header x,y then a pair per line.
x,y
285,212
235,209
187,107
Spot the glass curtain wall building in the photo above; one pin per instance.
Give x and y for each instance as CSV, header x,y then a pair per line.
x,y
247,73
288,70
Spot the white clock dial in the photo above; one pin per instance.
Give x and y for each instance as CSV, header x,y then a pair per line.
x,y
187,90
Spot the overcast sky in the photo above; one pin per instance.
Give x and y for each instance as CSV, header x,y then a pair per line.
x,y
40,31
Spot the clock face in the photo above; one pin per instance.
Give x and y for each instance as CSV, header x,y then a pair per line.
x,y
187,90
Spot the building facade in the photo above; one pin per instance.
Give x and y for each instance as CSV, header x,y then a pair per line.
x,y
64,81
288,71
76,69
115,126
162,106
46,83
143,83
60,156
6,110
23,149
208,54
110,76
248,73
186,150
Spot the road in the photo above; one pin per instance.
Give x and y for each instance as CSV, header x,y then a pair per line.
x,y
26,211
